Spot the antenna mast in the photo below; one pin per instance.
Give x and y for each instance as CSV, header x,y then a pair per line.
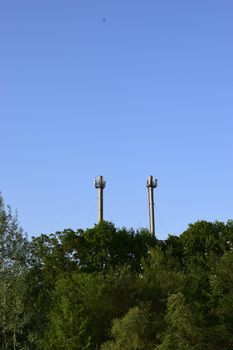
x,y
100,184
151,184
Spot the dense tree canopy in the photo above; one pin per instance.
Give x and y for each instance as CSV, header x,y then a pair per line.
x,y
107,288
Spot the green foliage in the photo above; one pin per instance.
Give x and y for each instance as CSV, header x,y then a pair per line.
x,y
162,275
14,256
181,333
13,244
14,314
67,328
203,238
107,288
90,302
104,247
222,301
132,332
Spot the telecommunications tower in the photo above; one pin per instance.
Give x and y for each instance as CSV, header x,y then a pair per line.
x,y
100,184
151,184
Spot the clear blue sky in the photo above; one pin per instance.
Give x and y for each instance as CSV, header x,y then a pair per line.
x,y
148,90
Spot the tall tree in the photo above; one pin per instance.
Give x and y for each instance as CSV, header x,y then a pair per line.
x,y
181,332
135,331
84,306
14,257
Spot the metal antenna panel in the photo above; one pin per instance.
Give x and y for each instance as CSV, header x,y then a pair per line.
x,y
100,182
151,183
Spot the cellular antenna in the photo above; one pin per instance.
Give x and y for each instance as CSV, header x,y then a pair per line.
x,y
100,184
151,184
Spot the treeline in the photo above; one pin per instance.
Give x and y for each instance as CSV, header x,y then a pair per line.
x,y
116,289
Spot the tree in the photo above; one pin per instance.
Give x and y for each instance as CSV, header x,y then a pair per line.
x,y
161,276
135,331
203,237
203,246
104,247
98,249
67,328
181,332
222,303
84,306
14,257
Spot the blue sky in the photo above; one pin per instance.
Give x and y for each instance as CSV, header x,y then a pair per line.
x,y
148,90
